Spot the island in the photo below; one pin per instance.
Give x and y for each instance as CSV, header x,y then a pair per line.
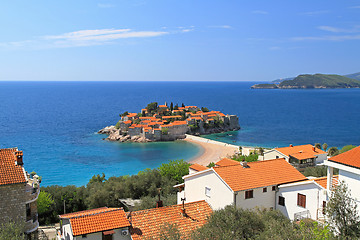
x,y
168,123
306,81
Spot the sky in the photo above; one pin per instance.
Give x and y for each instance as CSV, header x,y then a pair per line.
x,y
177,40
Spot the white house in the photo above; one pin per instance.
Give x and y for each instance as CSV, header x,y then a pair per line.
x,y
298,156
303,199
96,224
246,185
348,164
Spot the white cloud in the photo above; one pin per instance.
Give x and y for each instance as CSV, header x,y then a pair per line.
x,y
105,5
83,38
339,30
221,26
259,12
328,38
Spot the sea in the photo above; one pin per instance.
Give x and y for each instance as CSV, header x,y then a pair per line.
x,y
55,123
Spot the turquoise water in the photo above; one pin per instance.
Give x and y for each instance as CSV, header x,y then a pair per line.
x,y
54,122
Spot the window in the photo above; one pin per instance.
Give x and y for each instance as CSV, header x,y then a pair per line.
x,y
207,191
324,206
301,200
281,201
273,188
277,156
28,212
84,236
249,194
264,189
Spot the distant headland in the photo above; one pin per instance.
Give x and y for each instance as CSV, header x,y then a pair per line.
x,y
168,123
306,81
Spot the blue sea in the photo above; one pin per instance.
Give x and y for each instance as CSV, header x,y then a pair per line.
x,y
54,123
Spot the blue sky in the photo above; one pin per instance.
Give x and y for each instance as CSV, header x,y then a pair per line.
x,y
173,40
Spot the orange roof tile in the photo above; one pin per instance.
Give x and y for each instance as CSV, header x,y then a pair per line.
x,y
9,172
211,119
322,181
259,174
96,220
179,123
300,148
147,224
169,117
190,106
128,122
197,118
132,114
349,158
147,118
162,106
198,167
221,114
227,162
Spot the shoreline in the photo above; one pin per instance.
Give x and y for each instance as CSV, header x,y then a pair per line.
x,y
212,151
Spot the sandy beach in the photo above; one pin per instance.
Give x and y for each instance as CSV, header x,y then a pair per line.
x,y
213,151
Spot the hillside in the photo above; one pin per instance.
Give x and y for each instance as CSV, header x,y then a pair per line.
x,y
314,81
354,76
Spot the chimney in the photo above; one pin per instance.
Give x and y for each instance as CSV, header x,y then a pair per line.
x,y
291,145
244,164
314,149
19,158
183,212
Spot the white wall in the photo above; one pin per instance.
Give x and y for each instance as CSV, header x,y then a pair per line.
x,y
315,195
220,194
321,158
66,230
98,236
353,182
260,199
273,154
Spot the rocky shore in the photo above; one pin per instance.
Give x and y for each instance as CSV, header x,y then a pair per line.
x,y
114,135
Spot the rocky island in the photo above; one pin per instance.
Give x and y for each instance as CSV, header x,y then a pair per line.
x,y
169,123
312,81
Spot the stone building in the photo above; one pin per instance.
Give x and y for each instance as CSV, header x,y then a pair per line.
x,y
18,192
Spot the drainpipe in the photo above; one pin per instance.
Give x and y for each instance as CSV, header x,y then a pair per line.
x,y
235,194
330,172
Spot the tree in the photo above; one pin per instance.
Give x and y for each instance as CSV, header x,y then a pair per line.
x,y
98,178
170,232
12,231
325,146
346,148
342,213
183,105
212,164
176,107
204,109
151,107
171,106
261,151
333,151
44,202
124,114
318,145
175,170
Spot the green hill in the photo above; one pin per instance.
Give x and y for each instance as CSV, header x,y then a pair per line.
x,y
354,76
320,81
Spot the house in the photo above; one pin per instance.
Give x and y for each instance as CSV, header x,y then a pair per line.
x,y
149,223
348,164
18,192
100,223
196,168
226,162
246,185
304,199
298,156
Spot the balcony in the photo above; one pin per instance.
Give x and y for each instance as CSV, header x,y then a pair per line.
x,y
32,223
32,190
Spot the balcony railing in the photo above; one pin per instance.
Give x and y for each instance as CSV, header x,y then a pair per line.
x,y
32,224
32,190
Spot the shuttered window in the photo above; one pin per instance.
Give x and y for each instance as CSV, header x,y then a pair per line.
x,y
249,194
281,201
301,200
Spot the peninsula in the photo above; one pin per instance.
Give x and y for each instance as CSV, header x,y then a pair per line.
x,y
312,81
168,123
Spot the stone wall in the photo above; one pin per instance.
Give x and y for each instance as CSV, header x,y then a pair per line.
x,y
12,203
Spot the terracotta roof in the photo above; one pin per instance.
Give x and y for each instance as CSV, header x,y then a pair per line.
x,y
190,106
179,123
349,158
162,106
210,119
96,220
132,114
9,172
322,181
127,122
259,174
226,162
303,155
147,224
149,118
168,117
221,114
197,118
301,148
198,167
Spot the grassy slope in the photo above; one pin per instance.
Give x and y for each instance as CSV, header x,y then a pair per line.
x,y
354,76
320,80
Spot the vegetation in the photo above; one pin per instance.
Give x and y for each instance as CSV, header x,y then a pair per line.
x,y
265,86
333,151
324,146
12,231
346,148
204,109
317,145
234,223
100,192
124,114
212,164
342,213
152,107
253,157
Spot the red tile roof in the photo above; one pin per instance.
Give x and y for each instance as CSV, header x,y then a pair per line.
x,y
147,224
96,220
301,148
259,174
169,117
322,181
162,106
9,172
132,114
198,167
227,162
128,122
349,158
303,155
